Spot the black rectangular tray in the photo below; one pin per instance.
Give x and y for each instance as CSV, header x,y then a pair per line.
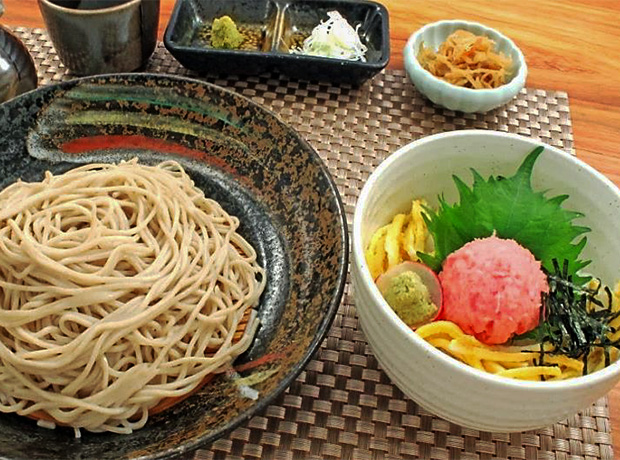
x,y
276,26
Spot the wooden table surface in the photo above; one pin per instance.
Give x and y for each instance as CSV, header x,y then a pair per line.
x,y
569,45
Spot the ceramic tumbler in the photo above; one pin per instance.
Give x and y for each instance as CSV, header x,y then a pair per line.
x,y
102,36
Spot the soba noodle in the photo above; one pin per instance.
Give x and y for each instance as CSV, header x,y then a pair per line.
x,y
120,286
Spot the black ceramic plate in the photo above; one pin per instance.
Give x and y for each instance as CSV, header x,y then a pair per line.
x,y
238,153
276,26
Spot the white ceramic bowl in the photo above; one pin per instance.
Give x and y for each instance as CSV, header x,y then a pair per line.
x,y
436,381
455,97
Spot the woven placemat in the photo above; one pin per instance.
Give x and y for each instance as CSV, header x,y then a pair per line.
x,y
343,406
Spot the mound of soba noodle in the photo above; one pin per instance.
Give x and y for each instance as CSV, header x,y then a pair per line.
x,y
120,286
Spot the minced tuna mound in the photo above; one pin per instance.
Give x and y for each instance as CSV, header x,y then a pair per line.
x,y
492,289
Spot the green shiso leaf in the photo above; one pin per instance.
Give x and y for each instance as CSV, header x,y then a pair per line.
x,y
510,208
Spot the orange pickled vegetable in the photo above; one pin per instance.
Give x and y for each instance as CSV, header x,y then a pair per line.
x,y
467,60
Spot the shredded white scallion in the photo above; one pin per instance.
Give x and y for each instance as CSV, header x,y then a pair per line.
x,y
334,38
248,392
46,424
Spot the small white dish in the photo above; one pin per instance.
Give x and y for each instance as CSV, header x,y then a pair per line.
x,y
455,97
436,381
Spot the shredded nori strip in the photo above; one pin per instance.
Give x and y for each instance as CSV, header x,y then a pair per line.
x,y
574,319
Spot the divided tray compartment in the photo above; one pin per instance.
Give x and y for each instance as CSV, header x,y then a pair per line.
x,y
272,28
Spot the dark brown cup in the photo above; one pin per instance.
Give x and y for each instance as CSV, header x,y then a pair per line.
x,y
102,36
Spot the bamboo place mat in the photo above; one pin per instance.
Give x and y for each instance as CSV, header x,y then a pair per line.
x,y
343,406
